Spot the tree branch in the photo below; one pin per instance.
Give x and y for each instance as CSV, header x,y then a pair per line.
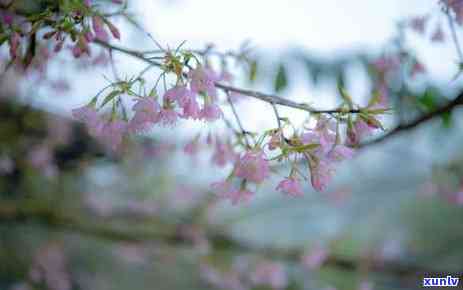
x,y
449,107
272,99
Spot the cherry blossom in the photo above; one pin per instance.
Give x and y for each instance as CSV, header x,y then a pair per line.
x,y
321,174
98,28
438,35
275,140
359,131
202,80
253,167
211,112
225,190
113,133
191,148
223,153
314,258
168,116
146,114
290,186
418,24
340,152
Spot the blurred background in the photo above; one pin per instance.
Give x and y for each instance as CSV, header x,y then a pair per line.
x,y
73,216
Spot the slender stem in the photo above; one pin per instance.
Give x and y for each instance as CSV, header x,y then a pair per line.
x,y
238,121
254,94
277,116
454,35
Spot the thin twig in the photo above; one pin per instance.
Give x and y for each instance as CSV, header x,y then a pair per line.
x,y
423,119
227,88
454,35
277,116
238,121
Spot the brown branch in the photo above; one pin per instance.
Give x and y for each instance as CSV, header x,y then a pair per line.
x,y
269,98
423,119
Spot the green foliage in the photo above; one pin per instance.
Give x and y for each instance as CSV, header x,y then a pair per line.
x,y
281,79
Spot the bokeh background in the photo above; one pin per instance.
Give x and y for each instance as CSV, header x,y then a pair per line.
x,y
397,201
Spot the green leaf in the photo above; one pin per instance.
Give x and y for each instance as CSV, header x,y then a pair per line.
x,y
109,97
253,71
306,147
341,79
281,79
3,38
447,120
345,96
427,101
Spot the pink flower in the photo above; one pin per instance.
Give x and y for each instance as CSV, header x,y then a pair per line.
x,y
98,28
222,189
387,63
191,109
203,80
275,140
90,117
315,258
340,152
418,68
457,7
325,141
211,112
113,132
89,36
438,35
290,186
114,30
58,46
253,167
323,134
76,51
359,131
7,17
146,114
321,175
223,154
418,24
15,40
239,196
191,148
225,190
270,274
168,117
178,93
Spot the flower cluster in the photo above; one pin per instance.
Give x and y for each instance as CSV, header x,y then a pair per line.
x,y
81,23
196,100
252,166
180,101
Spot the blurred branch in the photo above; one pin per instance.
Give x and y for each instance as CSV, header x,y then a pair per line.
x,y
449,107
12,212
454,34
